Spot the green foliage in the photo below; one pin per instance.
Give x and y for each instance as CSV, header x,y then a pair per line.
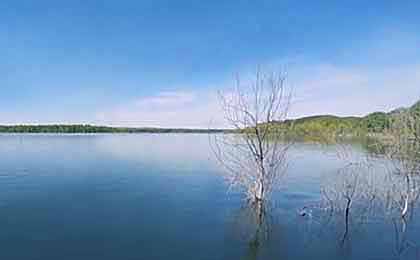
x,y
415,109
376,122
323,128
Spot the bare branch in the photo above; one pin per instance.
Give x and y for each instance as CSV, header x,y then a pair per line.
x,y
255,158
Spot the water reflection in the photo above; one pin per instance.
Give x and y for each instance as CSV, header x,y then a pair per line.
x,y
363,196
175,150
160,197
253,224
358,214
403,245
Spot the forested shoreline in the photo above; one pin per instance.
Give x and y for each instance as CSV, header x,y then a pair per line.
x,y
374,123
86,129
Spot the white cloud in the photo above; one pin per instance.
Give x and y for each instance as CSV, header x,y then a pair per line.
x,y
166,99
192,109
318,89
350,91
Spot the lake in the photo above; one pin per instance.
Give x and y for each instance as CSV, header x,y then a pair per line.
x,y
162,196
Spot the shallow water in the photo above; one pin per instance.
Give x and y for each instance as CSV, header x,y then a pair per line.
x,y
162,196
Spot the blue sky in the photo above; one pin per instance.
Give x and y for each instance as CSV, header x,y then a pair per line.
x,y
160,63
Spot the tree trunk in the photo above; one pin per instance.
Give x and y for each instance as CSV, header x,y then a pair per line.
x,y
259,191
407,198
405,209
348,205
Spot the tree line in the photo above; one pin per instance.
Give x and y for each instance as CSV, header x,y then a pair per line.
x,y
76,129
374,123
308,127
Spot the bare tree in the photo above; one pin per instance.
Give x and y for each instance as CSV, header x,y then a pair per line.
x,y
357,191
402,151
350,192
353,186
254,157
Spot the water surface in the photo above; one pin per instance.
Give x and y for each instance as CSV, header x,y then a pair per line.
x,y
151,196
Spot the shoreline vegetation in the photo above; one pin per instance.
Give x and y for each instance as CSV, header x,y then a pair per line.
x,y
373,124
91,129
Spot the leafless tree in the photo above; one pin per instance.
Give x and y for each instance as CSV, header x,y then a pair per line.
x,y
254,158
364,189
401,147
350,192
352,186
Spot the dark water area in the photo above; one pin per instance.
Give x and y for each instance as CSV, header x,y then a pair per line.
x,y
163,196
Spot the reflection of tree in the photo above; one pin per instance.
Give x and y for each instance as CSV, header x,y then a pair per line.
x,y
261,232
253,225
356,189
401,244
404,247
363,193
401,235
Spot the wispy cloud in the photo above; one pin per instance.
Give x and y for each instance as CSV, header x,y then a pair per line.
x,y
327,89
172,99
318,89
197,109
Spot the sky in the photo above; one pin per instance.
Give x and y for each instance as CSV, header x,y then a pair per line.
x,y
160,63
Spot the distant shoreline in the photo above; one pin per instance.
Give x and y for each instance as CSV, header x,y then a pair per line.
x,y
93,129
374,123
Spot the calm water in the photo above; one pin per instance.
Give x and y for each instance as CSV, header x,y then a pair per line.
x,y
162,197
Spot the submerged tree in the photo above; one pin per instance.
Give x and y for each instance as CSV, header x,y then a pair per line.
x,y
254,157
402,151
351,190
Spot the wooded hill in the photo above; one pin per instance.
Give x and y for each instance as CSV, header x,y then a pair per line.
x,y
375,122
